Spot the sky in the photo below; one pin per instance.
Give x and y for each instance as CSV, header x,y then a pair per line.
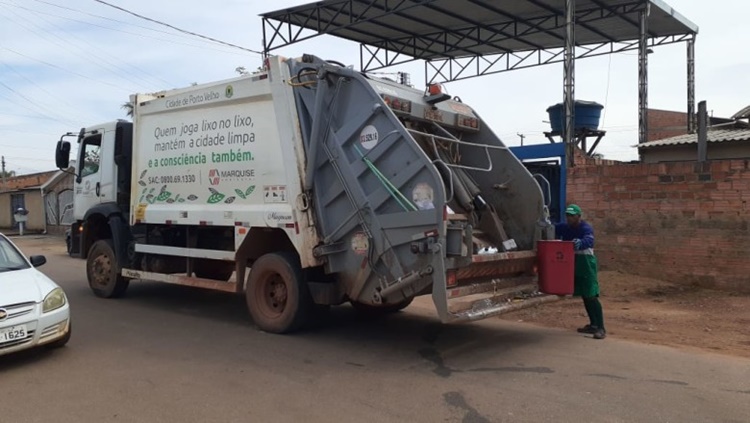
x,y
69,64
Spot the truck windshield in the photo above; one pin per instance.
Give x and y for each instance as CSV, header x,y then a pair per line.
x,y
10,258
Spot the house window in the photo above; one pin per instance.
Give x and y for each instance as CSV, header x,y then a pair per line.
x,y
16,202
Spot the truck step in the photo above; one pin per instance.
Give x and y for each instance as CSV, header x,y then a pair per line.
x,y
490,298
495,306
497,287
233,287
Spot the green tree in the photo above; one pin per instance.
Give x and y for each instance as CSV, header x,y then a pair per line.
x,y
128,107
7,173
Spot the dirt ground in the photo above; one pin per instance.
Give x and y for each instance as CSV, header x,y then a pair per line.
x,y
657,312
635,308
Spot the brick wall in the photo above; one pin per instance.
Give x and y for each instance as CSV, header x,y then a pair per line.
x,y
26,181
679,221
666,124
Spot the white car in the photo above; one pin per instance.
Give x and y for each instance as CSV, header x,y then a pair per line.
x,y
33,310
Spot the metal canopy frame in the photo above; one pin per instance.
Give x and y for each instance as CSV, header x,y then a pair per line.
x,y
470,38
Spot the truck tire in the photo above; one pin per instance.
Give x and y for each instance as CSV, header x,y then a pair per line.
x,y
372,310
103,271
213,269
277,295
68,242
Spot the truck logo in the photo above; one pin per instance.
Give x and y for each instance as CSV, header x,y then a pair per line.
x,y
214,178
278,217
229,91
3,314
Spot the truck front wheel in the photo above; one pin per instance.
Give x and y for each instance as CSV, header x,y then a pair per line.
x,y
277,295
103,271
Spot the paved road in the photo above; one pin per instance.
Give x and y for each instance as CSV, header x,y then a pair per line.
x,y
176,354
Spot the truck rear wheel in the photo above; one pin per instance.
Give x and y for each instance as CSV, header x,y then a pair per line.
x,y
103,271
277,295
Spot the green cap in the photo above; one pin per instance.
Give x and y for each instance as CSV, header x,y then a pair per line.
x,y
573,209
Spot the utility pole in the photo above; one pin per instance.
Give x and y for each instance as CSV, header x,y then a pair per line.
x,y
2,160
522,136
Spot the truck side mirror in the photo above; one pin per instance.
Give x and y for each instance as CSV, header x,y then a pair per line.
x,y
62,155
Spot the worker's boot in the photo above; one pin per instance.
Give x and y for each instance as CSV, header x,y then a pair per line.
x,y
600,333
589,329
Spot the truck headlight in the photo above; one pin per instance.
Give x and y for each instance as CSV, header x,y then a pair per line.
x,y
54,300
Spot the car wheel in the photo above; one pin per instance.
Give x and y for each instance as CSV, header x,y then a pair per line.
x,y
277,295
103,271
62,341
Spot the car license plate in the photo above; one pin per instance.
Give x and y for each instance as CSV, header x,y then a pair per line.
x,y
12,334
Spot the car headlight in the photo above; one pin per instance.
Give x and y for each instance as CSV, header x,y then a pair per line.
x,y
54,300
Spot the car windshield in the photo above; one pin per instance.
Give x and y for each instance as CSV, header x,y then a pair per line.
x,y
10,258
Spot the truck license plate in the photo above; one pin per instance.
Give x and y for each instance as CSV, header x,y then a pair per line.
x,y
12,334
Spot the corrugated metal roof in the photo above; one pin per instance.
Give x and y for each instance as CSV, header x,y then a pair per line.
x,y
432,29
718,135
742,114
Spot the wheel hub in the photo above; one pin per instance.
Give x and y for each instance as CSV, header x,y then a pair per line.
x,y
277,294
102,267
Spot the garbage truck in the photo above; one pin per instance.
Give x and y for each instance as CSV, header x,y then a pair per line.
x,y
305,185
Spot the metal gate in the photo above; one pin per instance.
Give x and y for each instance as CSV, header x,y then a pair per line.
x,y
51,209
65,205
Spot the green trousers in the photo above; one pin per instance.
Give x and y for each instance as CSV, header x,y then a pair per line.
x,y
586,279
587,286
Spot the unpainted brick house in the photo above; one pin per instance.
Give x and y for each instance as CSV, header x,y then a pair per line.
x,y
48,197
668,140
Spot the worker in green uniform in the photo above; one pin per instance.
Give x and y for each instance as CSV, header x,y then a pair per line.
x,y
586,280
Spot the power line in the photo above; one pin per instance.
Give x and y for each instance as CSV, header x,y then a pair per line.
x,y
207,47
86,51
22,147
29,158
43,33
176,28
114,20
66,70
29,132
64,119
31,81
34,116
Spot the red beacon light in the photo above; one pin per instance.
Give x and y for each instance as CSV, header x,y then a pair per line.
x,y
435,93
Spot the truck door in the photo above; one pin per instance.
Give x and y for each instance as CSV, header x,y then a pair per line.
x,y
88,181
107,167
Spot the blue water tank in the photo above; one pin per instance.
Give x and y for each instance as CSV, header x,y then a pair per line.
x,y
587,115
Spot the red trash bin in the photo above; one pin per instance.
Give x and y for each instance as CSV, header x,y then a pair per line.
x,y
555,267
